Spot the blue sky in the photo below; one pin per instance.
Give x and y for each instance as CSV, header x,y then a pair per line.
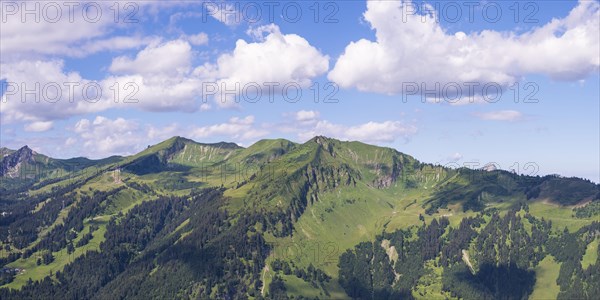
x,y
386,72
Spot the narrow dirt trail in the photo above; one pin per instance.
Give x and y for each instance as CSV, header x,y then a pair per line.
x,y
262,289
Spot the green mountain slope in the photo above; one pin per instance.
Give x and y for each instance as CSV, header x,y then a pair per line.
x,y
24,168
280,219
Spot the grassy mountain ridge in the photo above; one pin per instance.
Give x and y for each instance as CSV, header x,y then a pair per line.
x,y
231,220
24,168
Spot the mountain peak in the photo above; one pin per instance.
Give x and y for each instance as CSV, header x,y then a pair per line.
x,y
179,139
11,163
323,141
320,139
225,145
25,152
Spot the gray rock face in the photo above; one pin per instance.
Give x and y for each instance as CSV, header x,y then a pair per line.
x,y
11,164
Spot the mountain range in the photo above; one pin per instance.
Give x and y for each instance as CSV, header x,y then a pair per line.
x,y
324,219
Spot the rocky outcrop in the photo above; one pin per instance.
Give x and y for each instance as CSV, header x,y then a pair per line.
x,y
10,166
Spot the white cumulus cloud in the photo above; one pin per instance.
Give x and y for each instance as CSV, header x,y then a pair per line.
x,y
103,136
236,128
278,58
166,58
306,115
408,50
197,39
370,132
160,77
75,29
308,124
501,115
39,126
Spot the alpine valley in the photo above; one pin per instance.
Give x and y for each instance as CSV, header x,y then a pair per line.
x,y
326,219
